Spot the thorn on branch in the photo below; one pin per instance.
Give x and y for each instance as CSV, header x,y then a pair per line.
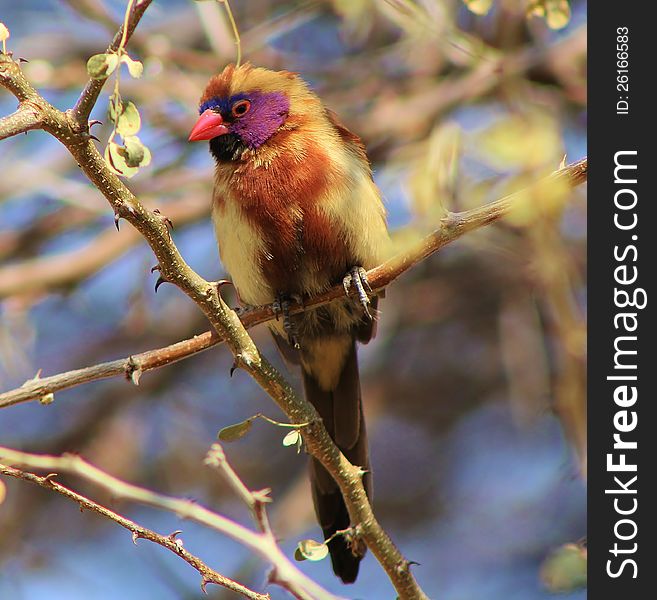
x,y
155,268
174,534
403,567
94,122
449,221
49,478
204,583
117,216
168,222
135,537
262,496
159,282
133,371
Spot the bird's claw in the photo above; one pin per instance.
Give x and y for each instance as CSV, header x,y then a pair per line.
x,y
357,278
281,306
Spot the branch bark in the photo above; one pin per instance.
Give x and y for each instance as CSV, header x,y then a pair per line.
x,y
71,130
169,542
89,96
452,227
21,121
46,273
263,544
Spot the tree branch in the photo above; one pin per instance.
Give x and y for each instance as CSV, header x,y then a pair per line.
x,y
263,544
256,501
451,228
83,107
71,129
170,542
67,128
45,273
21,121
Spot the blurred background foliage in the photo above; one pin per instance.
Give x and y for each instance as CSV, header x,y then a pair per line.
x,y
474,387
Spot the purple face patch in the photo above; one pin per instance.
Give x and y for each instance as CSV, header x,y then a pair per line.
x,y
266,114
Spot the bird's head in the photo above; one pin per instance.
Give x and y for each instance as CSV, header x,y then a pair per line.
x,y
243,107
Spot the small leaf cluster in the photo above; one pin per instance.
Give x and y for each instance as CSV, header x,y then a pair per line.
x,y
128,157
311,550
101,66
232,433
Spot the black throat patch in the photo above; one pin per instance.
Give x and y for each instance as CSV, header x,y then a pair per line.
x,y
227,147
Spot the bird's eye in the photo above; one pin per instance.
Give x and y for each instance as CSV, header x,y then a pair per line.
x,y
241,107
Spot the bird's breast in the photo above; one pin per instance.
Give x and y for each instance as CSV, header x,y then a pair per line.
x,y
242,249
296,222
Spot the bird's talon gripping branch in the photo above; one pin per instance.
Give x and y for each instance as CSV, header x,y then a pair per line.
x,y
357,278
281,306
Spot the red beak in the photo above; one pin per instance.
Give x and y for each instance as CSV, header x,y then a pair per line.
x,y
209,125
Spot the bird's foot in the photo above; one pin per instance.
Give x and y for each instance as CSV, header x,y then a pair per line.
x,y
281,306
356,278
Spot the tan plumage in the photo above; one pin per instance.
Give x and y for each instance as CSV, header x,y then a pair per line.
x,y
293,214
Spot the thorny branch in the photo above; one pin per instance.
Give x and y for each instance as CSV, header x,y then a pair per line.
x,y
263,544
451,228
71,129
21,121
170,542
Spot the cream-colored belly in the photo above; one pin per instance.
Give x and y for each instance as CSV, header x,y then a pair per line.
x,y
241,250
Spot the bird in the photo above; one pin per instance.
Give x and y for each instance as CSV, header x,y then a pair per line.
x,y
296,212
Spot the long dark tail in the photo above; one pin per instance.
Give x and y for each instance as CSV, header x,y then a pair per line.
x,y
342,412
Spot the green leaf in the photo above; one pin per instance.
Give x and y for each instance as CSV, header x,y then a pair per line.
x,y
298,556
134,152
310,550
101,66
116,161
292,437
565,569
235,432
135,67
129,121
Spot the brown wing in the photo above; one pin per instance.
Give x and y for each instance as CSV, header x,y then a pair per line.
x,y
348,137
